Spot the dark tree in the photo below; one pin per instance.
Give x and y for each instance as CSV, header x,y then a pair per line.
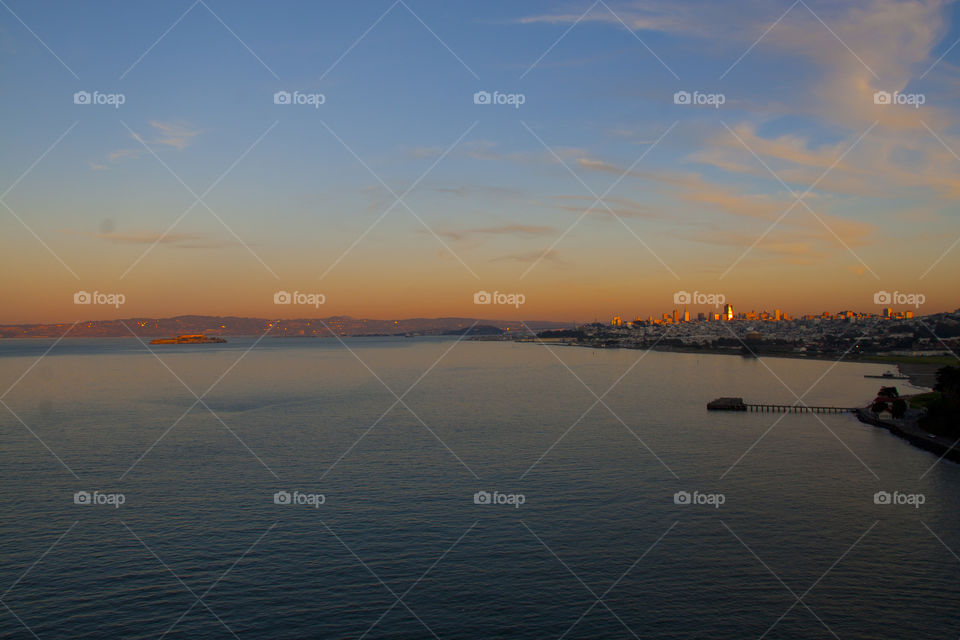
x,y
899,408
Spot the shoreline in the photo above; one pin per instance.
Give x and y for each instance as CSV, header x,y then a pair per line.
x,y
920,374
912,433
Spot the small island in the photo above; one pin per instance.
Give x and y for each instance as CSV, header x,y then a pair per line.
x,y
189,339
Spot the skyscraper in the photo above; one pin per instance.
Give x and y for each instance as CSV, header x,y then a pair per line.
x,y
728,311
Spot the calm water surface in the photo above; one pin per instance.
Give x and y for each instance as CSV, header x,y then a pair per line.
x,y
399,549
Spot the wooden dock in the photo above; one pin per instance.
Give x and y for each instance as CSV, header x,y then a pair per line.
x,y
737,404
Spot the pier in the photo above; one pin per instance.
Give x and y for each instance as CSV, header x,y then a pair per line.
x,y
737,404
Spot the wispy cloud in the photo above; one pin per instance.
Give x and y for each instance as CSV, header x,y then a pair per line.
x,y
169,134
528,257
176,240
503,230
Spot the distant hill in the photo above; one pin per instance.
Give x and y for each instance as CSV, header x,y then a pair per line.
x,y
304,327
479,330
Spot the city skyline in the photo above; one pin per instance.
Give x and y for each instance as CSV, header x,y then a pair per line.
x,y
198,159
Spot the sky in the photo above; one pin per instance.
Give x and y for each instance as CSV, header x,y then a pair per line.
x,y
433,150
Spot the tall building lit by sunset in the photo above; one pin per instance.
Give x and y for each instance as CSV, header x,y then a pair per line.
x,y
728,311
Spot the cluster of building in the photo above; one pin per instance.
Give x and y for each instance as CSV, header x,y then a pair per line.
x,y
845,332
680,315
